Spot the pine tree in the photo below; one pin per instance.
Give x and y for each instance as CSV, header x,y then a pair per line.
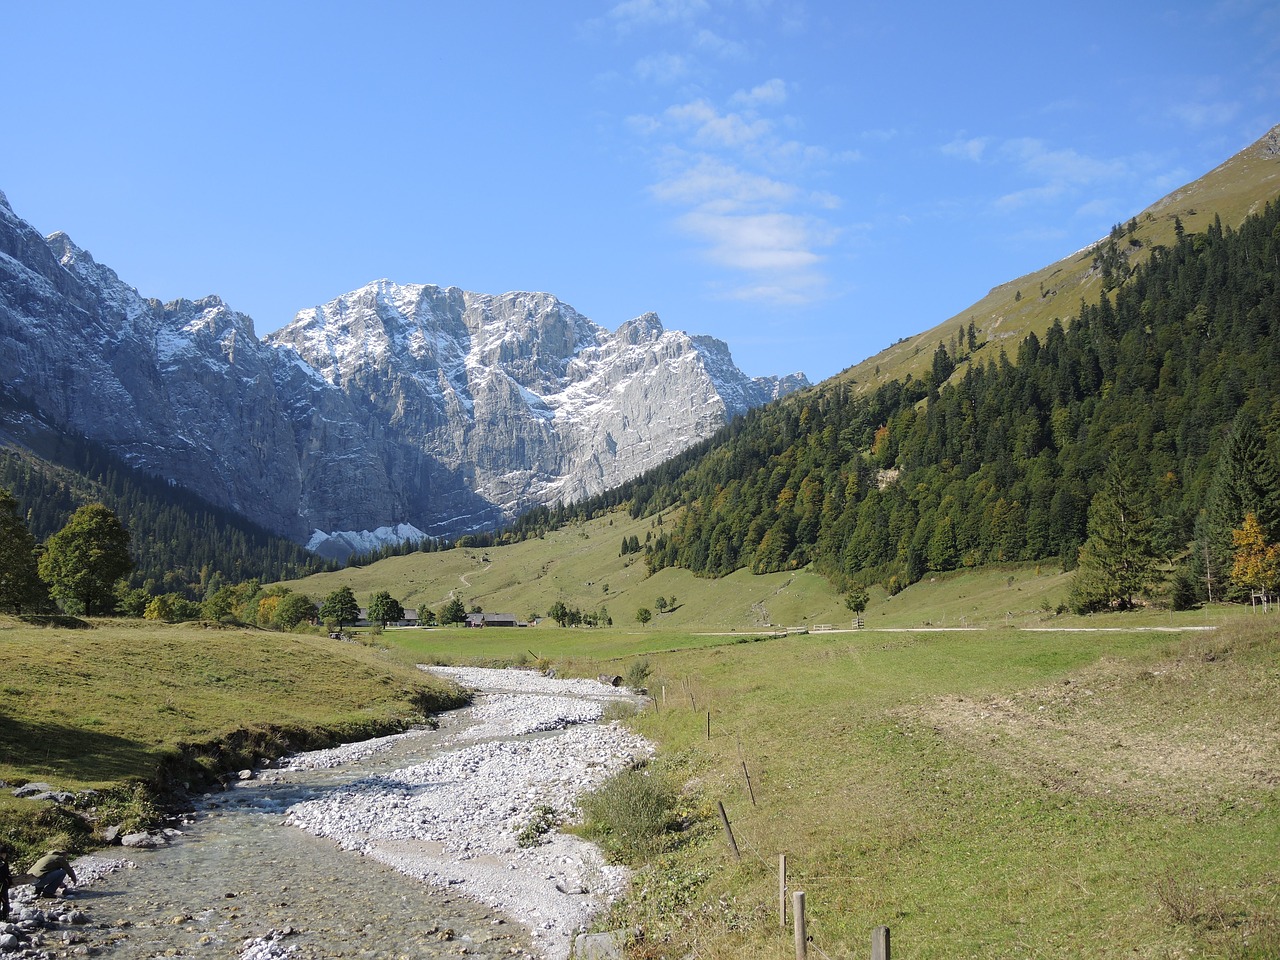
x,y
20,585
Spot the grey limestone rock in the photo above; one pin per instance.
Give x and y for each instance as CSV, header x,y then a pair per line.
x,y
394,404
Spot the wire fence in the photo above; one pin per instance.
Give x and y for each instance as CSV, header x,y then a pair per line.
x,y
805,942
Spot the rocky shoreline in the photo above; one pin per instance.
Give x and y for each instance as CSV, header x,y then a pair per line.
x,y
477,818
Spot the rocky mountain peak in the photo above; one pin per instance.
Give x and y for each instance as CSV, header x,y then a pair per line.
x,y
391,407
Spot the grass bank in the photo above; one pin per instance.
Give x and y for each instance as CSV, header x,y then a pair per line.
x,y
119,704
1004,792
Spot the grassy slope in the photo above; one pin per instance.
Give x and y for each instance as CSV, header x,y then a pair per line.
x,y
1233,190
96,708
576,565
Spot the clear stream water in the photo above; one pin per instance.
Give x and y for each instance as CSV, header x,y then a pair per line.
x,y
238,872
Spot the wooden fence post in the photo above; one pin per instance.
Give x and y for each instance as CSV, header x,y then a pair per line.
x,y
708,724
802,940
733,844
880,943
782,891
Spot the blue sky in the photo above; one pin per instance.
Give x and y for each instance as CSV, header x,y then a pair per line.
x,y
807,181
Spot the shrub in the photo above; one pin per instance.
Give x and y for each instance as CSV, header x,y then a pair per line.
x,y
630,814
544,820
637,673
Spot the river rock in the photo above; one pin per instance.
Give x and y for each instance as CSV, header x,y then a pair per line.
x,y
144,841
8,942
600,946
32,789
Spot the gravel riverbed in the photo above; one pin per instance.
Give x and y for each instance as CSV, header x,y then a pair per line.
x,y
533,745
527,748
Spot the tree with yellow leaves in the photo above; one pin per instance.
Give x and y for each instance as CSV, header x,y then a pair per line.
x,y
1256,563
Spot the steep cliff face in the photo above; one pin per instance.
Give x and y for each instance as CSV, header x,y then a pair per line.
x,y
516,399
182,390
391,405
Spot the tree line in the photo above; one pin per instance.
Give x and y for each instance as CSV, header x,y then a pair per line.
x,y
179,542
1161,400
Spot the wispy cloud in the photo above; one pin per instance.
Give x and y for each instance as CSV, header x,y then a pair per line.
x,y
767,228
971,148
635,14
1050,174
770,93
1202,114
663,68
732,166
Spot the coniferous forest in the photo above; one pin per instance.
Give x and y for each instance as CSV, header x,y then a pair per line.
x,y
179,542
1169,385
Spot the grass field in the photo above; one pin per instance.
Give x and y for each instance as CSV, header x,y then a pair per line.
x,y
986,776
990,793
132,701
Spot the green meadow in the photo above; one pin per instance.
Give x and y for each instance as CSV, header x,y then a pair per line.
x,y
984,775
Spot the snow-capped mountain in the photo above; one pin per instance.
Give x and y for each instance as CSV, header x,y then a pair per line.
x,y
405,407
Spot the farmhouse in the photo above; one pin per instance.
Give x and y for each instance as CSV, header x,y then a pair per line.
x,y
410,619
493,620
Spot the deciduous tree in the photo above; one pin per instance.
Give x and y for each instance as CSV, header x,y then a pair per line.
x,y
340,606
83,560
383,608
453,612
293,609
1256,565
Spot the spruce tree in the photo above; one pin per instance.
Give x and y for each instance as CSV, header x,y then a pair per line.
x,y
1118,561
21,588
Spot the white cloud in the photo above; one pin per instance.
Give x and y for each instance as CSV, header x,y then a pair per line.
x,y
770,93
643,13
712,128
1202,114
970,149
719,46
1032,195
709,179
776,243
1060,166
753,225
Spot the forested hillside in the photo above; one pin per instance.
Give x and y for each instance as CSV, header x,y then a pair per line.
x,y
179,543
1173,380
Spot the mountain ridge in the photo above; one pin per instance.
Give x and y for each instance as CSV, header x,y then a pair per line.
x,y
395,406
1031,303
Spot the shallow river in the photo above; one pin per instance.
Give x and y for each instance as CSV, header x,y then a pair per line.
x,y
238,872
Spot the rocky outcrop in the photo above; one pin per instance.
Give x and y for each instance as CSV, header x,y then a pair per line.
x,y
392,405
